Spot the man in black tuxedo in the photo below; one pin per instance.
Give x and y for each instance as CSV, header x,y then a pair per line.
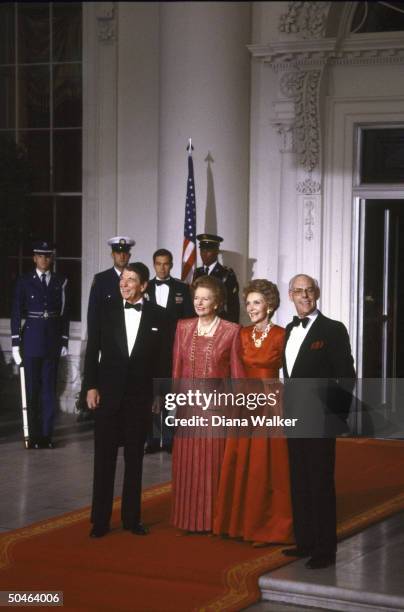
x,y
126,349
319,377
175,296
168,292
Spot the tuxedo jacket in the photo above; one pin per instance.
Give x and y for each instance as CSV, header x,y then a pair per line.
x,y
229,280
108,366
322,378
179,303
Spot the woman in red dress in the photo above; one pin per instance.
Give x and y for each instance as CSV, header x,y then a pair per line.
x,y
254,492
206,351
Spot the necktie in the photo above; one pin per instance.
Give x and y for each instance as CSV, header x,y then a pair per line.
x,y
137,307
206,269
162,282
305,321
43,279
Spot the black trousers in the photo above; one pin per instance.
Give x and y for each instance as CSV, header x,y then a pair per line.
x,y
312,465
127,426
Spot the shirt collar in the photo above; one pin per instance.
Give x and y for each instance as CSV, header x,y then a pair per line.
x,y
117,271
141,301
39,273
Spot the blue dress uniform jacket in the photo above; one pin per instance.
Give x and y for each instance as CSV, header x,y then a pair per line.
x,y
227,276
45,331
105,287
44,308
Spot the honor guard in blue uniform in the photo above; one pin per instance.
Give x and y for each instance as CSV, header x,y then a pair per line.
x,y
105,284
41,299
175,296
209,249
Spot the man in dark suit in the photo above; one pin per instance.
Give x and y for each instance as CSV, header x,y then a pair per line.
x,y
41,298
209,250
105,284
175,296
319,377
126,349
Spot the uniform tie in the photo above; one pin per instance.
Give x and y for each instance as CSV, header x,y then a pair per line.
x,y
206,269
43,279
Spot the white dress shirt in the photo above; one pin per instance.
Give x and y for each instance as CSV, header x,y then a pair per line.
x,y
211,267
132,322
47,275
295,341
162,292
118,272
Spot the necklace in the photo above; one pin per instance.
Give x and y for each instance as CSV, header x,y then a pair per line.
x,y
204,330
258,341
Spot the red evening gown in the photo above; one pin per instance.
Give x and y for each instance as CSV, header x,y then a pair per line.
x,y
254,491
196,461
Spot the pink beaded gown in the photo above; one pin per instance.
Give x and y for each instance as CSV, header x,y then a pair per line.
x,y
197,459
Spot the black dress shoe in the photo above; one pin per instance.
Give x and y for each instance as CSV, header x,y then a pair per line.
x,y
33,444
98,532
138,529
320,562
46,442
149,449
296,552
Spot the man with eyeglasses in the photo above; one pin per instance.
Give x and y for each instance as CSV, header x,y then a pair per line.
x,y
319,377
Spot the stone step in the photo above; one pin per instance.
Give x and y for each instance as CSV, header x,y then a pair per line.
x,y
326,596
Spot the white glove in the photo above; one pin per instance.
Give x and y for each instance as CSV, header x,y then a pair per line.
x,y
63,351
17,355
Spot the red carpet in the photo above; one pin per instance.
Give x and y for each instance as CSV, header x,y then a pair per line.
x,y
163,572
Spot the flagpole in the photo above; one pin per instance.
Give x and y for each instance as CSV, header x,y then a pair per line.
x,y
189,243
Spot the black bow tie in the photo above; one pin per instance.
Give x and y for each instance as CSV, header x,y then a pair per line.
x,y
162,282
137,306
296,321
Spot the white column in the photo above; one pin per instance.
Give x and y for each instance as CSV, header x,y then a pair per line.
x,y
204,94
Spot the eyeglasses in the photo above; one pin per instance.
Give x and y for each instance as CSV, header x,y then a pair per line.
x,y
301,291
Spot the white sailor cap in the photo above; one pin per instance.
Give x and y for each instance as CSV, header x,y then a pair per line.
x,y
121,244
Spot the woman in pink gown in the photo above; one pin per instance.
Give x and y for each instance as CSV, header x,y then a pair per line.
x,y
205,347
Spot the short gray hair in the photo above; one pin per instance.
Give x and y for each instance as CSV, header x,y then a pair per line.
x,y
292,280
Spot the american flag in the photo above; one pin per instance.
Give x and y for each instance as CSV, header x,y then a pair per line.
x,y
189,246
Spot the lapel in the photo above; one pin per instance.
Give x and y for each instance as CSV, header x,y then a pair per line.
x,y
171,295
142,332
303,351
119,329
217,270
151,290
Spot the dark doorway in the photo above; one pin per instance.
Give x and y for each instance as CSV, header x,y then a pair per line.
x,y
382,312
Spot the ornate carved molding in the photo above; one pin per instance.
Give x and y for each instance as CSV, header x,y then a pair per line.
x,y
309,186
309,219
106,21
286,132
308,19
304,87
359,49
